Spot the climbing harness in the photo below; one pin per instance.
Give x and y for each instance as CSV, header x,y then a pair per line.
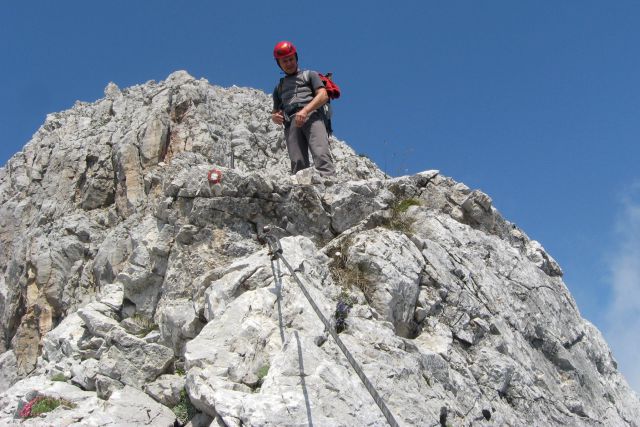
x,y
276,252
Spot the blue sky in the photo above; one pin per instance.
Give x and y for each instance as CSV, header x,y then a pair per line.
x,y
535,103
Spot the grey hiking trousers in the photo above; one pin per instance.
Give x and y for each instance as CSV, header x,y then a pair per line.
x,y
311,136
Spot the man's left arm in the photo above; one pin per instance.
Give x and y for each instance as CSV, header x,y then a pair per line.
x,y
318,101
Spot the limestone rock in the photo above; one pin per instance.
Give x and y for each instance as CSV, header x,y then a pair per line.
x,y
392,266
83,403
130,406
166,389
123,266
8,370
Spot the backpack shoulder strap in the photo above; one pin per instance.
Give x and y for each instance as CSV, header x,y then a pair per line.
x,y
307,80
280,88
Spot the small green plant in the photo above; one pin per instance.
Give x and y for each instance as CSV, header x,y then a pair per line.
x,y
59,377
181,372
404,205
45,405
399,220
184,410
41,405
262,372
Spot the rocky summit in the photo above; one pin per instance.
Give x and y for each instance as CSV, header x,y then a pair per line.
x,y
138,286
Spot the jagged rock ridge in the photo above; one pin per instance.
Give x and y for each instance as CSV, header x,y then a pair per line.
x,y
129,276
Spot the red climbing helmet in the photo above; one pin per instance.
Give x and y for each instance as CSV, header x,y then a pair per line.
x,y
284,49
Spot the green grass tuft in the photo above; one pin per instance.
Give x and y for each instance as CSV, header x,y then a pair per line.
x,y
399,220
184,410
59,377
262,372
404,205
42,405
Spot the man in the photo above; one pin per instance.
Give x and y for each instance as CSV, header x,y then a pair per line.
x,y
297,103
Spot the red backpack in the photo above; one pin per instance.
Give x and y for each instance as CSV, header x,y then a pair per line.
x,y
332,89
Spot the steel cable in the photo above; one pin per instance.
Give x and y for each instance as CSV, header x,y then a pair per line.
x,y
276,252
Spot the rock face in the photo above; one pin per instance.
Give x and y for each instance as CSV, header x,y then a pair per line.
x,y
133,281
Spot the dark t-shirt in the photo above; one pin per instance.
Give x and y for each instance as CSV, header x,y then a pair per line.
x,y
299,88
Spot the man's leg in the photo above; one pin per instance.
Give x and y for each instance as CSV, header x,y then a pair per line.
x,y
316,133
297,147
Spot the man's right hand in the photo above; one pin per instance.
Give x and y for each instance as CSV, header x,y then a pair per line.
x,y
277,117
